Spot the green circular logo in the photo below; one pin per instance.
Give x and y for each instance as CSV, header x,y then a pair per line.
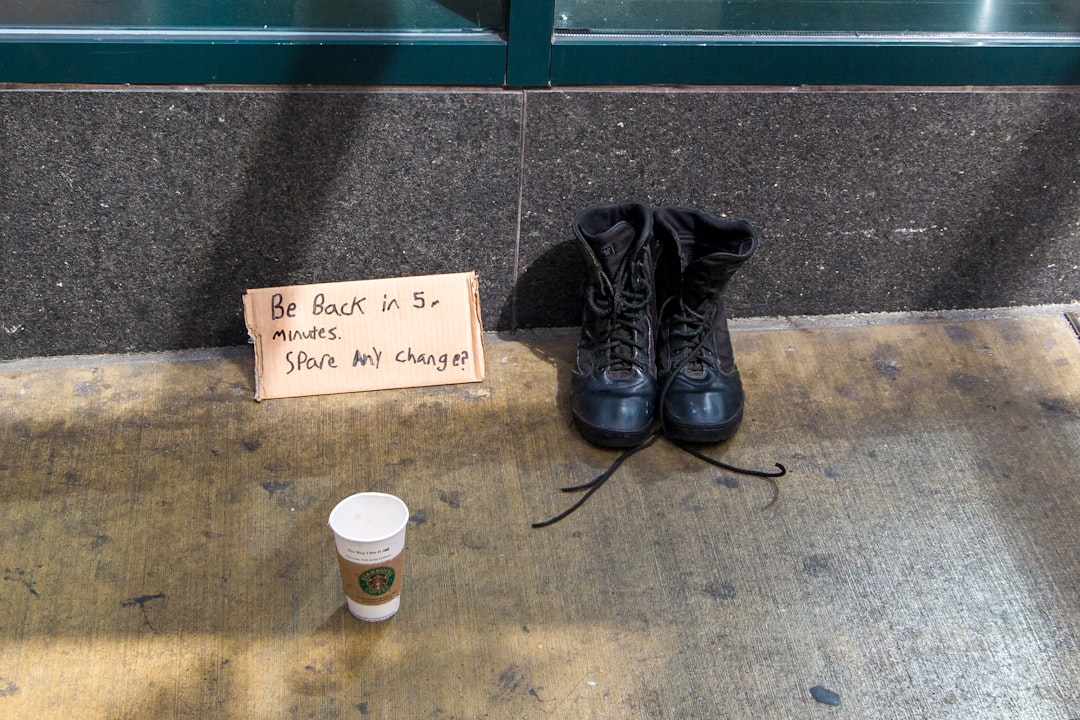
x,y
377,581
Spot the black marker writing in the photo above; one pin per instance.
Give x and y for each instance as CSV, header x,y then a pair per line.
x,y
439,362
302,361
363,359
319,306
278,310
314,333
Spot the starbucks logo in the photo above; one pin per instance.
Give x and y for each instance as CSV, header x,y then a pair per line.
x,y
377,581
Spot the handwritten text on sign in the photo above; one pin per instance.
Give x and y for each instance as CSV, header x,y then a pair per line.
x,y
365,335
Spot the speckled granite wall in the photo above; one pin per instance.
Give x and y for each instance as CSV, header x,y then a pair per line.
x,y
865,201
134,219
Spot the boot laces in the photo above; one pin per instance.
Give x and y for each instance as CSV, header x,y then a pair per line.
x,y
590,487
689,339
595,484
625,343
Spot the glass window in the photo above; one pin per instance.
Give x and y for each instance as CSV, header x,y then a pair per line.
x,y
361,42
830,17
322,15
816,42
538,43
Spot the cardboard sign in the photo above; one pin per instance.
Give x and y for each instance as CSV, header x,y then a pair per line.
x,y
365,335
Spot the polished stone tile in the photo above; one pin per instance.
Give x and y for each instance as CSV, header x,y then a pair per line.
x,y
136,220
864,200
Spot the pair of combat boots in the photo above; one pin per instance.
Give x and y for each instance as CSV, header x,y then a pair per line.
x,y
654,342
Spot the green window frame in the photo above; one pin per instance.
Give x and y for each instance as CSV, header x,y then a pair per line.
x,y
532,51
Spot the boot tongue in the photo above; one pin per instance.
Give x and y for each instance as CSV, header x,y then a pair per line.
x,y
612,246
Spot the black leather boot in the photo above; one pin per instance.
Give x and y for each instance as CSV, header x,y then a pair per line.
x,y
613,388
701,395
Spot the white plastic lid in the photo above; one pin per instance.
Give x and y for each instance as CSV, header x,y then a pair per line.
x,y
369,517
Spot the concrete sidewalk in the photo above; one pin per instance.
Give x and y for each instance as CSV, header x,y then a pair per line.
x,y
166,552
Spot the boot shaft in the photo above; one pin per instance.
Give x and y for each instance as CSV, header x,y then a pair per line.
x,y
700,255
610,237
619,318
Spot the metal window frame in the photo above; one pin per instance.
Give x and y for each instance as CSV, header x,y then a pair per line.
x,y
817,60
249,58
532,53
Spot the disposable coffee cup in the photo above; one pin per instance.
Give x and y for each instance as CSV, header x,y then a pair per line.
x,y
369,534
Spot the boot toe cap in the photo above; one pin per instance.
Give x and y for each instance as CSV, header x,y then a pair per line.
x,y
612,420
709,416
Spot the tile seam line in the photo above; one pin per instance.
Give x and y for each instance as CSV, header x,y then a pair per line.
x,y
751,324
523,113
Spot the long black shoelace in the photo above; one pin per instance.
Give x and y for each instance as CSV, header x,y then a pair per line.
x,y
700,339
597,482
623,347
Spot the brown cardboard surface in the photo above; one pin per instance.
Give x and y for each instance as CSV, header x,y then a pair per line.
x,y
365,335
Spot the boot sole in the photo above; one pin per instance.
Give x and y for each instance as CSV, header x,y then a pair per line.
x,y
608,438
702,433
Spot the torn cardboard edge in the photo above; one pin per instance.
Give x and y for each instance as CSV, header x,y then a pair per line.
x,y
366,335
